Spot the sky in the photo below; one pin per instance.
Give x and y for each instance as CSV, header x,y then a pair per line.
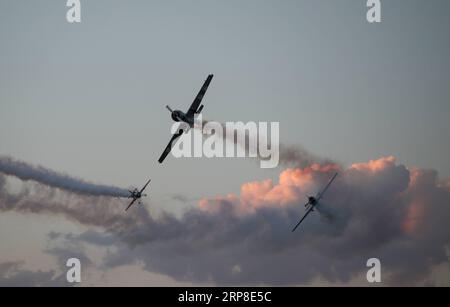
x,y
89,100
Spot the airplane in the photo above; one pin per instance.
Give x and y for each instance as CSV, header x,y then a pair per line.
x,y
136,195
313,201
188,117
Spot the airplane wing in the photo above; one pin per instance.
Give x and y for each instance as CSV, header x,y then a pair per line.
x,y
169,146
198,99
320,194
306,214
145,185
131,204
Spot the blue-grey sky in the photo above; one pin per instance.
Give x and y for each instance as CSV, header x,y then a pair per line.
x,y
89,99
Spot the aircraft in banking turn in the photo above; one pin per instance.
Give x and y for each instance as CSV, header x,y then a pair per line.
x,y
188,117
137,195
314,201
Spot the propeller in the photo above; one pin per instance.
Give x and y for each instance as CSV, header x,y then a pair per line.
x,y
168,108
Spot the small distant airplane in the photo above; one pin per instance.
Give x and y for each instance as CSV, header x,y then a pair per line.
x,y
313,201
136,195
187,117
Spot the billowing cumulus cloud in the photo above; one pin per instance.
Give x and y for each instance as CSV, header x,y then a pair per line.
x,y
376,209
294,185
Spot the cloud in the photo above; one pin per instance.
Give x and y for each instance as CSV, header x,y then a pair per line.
x,y
294,186
12,275
380,209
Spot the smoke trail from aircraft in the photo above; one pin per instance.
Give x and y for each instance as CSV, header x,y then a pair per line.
x,y
226,137
27,172
297,156
290,155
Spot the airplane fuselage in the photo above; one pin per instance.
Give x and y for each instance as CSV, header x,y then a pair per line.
x,y
135,194
180,116
312,200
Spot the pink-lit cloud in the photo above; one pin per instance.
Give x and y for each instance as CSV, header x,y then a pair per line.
x,y
380,209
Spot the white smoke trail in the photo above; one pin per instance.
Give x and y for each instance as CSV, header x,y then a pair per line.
x,y
25,172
